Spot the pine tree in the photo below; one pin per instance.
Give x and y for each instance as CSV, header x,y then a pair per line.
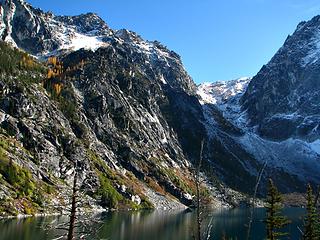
x,y
274,219
311,221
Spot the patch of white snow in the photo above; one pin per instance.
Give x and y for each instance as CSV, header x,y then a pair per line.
x,y
315,146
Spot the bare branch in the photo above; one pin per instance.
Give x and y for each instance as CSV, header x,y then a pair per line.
x,y
198,200
301,232
58,238
254,198
210,225
62,228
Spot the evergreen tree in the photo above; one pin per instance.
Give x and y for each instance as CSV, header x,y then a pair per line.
x,y
311,221
274,220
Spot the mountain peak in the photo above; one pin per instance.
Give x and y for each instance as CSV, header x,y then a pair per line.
x,y
46,34
221,91
286,90
85,23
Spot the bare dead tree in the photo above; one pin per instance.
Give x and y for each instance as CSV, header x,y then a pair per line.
x,y
258,180
79,224
73,206
196,172
208,233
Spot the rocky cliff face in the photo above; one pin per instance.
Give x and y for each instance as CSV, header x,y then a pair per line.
x,y
282,102
126,114
278,111
44,34
283,98
121,110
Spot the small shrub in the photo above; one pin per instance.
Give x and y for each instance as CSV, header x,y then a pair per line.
x,y
19,178
28,208
38,198
49,189
146,204
109,195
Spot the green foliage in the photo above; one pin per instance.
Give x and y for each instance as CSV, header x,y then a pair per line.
x,y
274,220
49,188
311,227
18,177
3,156
38,198
101,166
145,204
110,198
177,181
109,195
7,209
29,209
19,64
28,193
4,145
68,108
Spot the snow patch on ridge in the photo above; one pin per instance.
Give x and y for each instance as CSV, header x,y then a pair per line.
x,y
315,146
71,39
87,42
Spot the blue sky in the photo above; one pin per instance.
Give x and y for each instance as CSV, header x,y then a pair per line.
x,y
217,39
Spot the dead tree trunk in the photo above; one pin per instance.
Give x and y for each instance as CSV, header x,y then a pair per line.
x,y
252,207
73,207
198,194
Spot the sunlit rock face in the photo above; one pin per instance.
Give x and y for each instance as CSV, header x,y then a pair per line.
x,y
130,104
127,102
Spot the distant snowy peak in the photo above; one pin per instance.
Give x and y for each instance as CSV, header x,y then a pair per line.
x,y
289,84
221,91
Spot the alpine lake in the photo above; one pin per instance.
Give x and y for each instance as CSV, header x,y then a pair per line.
x,y
154,225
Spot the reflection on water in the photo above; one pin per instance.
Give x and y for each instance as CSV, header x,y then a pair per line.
x,y
155,225
148,225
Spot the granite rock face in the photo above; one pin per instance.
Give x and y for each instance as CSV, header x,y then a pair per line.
x,y
286,91
127,112
274,116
